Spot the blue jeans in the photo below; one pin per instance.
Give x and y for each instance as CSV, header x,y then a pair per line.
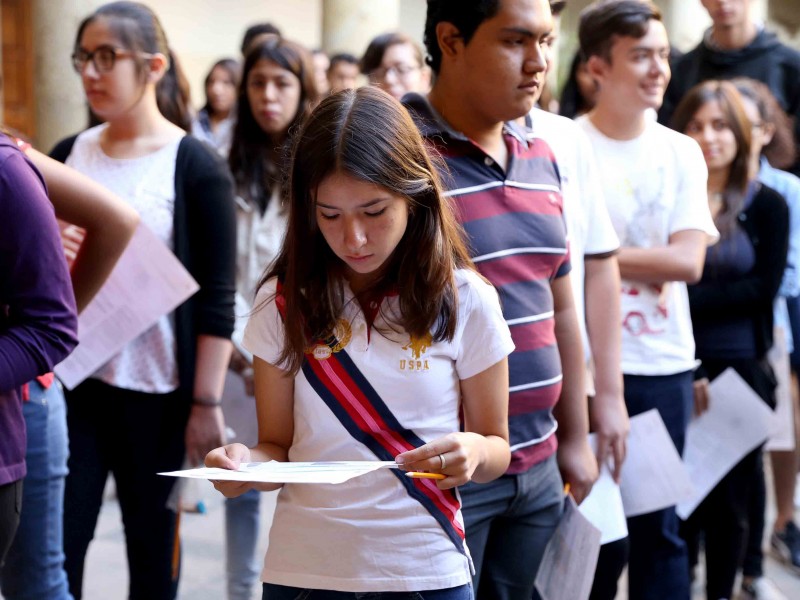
x,y
282,592
241,538
34,569
659,560
508,525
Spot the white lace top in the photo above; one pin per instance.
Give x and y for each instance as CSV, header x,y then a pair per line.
x,y
147,183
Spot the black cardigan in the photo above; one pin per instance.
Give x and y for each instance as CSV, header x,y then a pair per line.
x,y
766,222
205,243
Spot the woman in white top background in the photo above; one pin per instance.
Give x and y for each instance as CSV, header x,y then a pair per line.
x,y
158,400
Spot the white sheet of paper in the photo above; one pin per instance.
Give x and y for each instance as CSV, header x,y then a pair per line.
x,y
781,432
147,283
603,506
570,558
736,421
288,472
653,475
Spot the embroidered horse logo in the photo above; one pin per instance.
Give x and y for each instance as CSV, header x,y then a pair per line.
x,y
419,346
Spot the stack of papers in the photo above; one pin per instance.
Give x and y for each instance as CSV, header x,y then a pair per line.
x,y
288,472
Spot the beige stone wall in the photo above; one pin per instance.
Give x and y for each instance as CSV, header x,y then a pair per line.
x,y
200,31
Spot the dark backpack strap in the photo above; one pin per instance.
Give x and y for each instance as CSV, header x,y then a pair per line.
x,y
63,149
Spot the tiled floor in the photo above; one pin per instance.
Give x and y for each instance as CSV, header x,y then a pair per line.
x,y
203,559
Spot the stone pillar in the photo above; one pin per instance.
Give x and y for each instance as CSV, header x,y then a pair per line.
x,y
686,21
60,103
784,15
349,25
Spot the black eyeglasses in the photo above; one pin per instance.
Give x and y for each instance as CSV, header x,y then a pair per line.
x,y
400,70
103,58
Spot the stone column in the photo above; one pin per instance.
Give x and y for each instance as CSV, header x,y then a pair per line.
x,y
60,103
686,21
349,25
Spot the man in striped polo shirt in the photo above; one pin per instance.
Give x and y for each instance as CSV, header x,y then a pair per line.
x,y
489,63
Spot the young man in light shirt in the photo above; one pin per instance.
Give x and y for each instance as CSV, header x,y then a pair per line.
x,y
654,181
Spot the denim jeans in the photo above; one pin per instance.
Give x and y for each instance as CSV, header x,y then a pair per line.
x,y
659,561
241,538
34,568
282,592
509,522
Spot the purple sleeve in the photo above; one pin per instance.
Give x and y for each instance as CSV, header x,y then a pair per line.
x,y
38,322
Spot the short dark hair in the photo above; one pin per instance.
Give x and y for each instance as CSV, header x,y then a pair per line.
x,y
373,55
465,15
602,22
255,31
342,57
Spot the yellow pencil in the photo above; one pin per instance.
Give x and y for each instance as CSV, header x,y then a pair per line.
x,y
423,475
566,489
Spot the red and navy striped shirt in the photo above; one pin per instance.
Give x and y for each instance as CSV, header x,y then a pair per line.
x,y
517,238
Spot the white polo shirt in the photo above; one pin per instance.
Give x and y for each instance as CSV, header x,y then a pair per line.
x,y
368,534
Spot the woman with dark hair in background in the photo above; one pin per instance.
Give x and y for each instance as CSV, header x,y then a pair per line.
x,y
390,321
732,307
394,63
158,400
214,122
276,93
774,149
578,93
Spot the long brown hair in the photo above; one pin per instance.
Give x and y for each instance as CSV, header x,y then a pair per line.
x,y
368,135
258,161
724,93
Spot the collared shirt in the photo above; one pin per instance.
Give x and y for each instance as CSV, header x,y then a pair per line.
x,y
368,534
517,237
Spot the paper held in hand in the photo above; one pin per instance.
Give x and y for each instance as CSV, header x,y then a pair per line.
x,y
147,283
570,558
288,472
736,422
653,475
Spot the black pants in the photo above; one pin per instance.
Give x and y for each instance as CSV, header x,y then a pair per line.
x,y
134,436
610,564
723,516
10,508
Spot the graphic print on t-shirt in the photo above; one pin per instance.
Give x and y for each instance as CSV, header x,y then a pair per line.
x,y
645,310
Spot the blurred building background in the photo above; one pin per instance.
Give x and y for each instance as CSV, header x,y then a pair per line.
x,y
42,97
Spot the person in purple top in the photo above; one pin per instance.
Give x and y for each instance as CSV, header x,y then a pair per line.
x,y
38,322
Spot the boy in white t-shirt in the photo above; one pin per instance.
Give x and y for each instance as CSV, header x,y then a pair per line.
x,y
654,181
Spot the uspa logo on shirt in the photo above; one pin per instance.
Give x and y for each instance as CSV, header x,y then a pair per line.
x,y
342,333
418,346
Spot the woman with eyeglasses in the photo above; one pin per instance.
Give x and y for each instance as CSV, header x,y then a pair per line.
x,y
732,309
158,400
393,62
276,93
